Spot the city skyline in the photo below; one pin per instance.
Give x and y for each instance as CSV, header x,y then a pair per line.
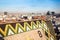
x,y
29,5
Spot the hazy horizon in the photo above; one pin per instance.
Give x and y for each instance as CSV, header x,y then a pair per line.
x,y
38,6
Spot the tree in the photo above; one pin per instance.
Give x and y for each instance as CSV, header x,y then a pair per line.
x,y
5,13
52,13
48,13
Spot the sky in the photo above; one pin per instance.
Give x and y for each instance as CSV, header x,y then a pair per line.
x,y
29,5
